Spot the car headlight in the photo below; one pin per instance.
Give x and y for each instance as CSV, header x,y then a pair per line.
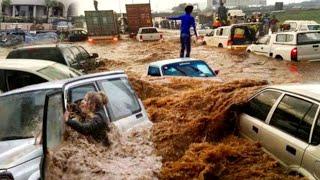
x,y
6,176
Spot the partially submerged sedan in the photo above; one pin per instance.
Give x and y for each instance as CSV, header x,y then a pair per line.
x,y
181,67
23,112
285,120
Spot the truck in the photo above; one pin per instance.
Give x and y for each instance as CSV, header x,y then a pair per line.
x,y
291,46
139,15
101,24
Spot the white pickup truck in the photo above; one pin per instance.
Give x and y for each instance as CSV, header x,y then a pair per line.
x,y
149,34
292,46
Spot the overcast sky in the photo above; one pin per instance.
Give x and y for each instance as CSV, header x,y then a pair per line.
x,y
156,5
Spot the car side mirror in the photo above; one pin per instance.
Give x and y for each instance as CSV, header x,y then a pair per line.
x,y
94,55
217,72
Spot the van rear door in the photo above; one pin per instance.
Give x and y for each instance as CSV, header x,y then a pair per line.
x,y
308,45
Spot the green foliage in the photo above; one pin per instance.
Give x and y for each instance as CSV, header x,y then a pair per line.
x,y
299,15
6,3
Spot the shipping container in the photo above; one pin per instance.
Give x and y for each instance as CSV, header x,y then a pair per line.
x,y
101,23
138,15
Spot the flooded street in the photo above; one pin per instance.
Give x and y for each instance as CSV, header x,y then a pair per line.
x,y
194,132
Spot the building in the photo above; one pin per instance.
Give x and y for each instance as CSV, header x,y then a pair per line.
x,y
31,10
234,3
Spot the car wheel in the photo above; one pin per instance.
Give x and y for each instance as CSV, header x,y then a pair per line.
x,y
220,46
279,58
249,51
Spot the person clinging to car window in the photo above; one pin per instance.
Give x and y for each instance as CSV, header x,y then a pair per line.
x,y
187,21
95,124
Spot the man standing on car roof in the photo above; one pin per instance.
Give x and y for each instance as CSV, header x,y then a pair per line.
x,y
187,21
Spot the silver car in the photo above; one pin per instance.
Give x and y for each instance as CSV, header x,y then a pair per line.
x,y
285,120
23,111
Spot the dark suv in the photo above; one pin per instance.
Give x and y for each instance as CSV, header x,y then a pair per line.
x,y
74,56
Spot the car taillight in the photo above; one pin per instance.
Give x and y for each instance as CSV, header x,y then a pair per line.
x,y
230,42
294,54
90,40
140,37
217,72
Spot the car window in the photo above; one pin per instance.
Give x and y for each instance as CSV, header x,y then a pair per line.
x,y
313,27
19,79
122,100
78,93
149,30
225,32
84,53
260,105
294,116
154,71
316,133
58,72
51,54
69,56
55,123
192,69
21,115
76,52
264,40
308,38
284,38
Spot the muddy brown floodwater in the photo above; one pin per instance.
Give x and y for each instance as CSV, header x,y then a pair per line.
x,y
194,132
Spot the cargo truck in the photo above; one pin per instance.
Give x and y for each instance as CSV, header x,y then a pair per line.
x,y
102,25
139,15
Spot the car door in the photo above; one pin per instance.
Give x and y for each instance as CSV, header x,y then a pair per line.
x,y
311,158
263,46
52,131
288,133
124,108
308,45
256,112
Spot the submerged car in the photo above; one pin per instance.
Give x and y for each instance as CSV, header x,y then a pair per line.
x,y
40,106
149,34
285,120
69,55
18,73
181,67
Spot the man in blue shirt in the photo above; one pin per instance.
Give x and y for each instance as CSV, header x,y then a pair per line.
x,y
187,21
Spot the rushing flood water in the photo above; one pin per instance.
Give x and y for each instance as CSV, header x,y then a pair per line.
x,y
193,131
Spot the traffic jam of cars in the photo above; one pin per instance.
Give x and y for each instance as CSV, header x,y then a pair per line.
x,y
141,95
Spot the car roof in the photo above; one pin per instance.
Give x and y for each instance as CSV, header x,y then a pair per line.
x,y
171,61
301,21
148,28
42,46
60,84
297,32
29,65
308,90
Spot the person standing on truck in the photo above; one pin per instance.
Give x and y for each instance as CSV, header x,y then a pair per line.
x,y
217,23
95,123
273,24
187,21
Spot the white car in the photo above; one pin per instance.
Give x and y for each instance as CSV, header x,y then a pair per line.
x,y
237,36
182,67
17,73
291,46
35,113
149,34
302,25
285,120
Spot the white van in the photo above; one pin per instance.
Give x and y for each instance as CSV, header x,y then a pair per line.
x,y
302,25
237,36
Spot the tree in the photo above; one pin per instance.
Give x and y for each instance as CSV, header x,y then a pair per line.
x,y
5,4
50,4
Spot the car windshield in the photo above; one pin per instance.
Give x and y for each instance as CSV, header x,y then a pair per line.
x,y
308,38
21,119
192,69
58,72
149,30
314,27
